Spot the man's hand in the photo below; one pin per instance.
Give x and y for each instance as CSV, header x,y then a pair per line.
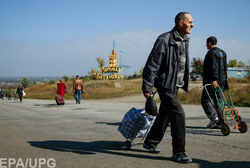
x,y
147,95
215,84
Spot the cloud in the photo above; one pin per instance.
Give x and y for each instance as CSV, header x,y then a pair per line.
x,y
22,58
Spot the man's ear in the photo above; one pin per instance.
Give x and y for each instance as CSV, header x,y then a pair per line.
x,y
181,23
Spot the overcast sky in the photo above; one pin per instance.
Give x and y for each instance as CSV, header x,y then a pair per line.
x,y
64,37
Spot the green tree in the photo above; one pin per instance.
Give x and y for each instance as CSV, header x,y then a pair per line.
x,y
100,61
232,63
72,78
52,81
197,68
136,74
242,65
66,78
141,71
25,82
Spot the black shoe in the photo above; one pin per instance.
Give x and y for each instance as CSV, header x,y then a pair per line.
x,y
152,149
218,124
213,123
181,158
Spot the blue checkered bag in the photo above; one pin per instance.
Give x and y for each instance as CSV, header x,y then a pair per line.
x,y
136,123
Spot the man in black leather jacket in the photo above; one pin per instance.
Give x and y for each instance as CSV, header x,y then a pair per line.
x,y
214,73
167,69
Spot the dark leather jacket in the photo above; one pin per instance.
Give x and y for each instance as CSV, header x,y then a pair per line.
x,y
215,67
161,67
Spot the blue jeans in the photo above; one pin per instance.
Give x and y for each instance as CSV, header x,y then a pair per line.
x,y
78,95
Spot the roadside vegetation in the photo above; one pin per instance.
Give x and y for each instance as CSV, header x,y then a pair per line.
x,y
239,90
105,89
93,89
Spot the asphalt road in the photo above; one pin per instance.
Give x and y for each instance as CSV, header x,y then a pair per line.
x,y
85,136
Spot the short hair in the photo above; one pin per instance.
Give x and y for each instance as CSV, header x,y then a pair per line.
x,y
77,76
212,40
180,16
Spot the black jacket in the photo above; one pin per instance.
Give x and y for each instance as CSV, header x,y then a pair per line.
x,y
215,67
19,91
161,67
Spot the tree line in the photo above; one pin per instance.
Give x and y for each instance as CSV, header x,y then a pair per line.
x,y
197,67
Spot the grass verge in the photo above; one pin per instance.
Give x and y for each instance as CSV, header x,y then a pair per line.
x,y
104,89
93,89
238,88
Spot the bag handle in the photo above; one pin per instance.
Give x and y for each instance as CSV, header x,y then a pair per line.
x,y
153,93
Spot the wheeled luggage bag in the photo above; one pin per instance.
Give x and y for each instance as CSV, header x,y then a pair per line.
x,y
59,100
135,124
228,114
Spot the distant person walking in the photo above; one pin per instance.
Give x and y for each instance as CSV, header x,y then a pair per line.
x,y
9,94
214,73
61,88
6,94
15,95
78,89
19,91
1,94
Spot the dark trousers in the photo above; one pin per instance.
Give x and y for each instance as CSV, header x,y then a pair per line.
x,y
206,103
20,97
171,112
